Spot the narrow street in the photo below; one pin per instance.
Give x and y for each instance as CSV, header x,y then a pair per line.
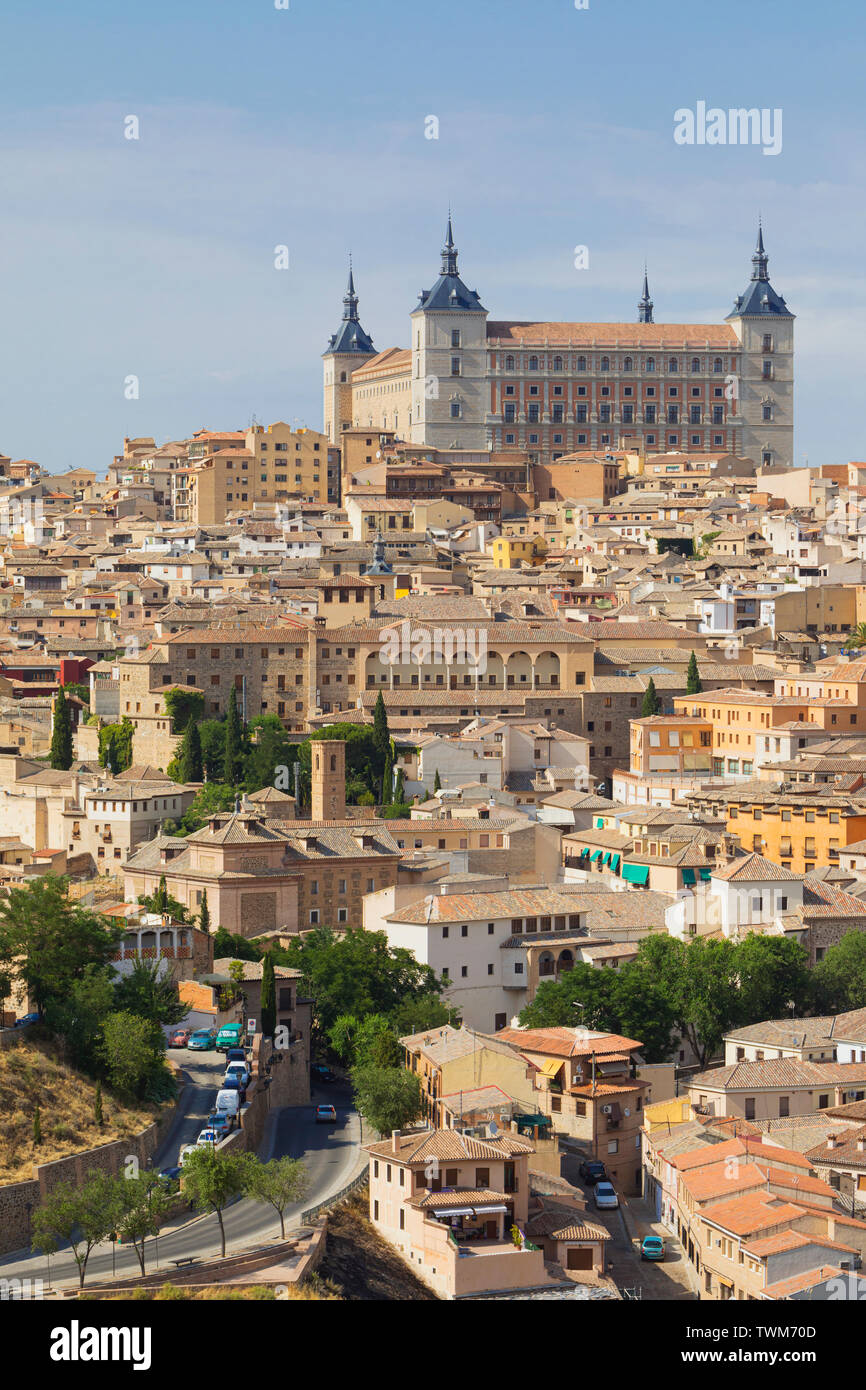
x,y
663,1281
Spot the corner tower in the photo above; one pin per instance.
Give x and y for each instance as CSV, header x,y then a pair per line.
x,y
765,327
449,361
347,349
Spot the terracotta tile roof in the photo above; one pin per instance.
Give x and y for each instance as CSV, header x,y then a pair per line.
x,y
785,1072
636,336
810,1278
448,1145
567,1042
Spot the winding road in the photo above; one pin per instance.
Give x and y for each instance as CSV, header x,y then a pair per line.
x,y
331,1154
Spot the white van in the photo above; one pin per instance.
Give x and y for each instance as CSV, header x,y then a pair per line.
x,y
228,1102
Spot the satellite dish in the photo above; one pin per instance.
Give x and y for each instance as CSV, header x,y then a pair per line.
x,y
493,1129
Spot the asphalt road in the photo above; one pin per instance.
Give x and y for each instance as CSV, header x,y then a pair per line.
x,y
331,1154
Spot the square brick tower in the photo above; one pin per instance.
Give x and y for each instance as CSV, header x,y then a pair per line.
x,y
328,779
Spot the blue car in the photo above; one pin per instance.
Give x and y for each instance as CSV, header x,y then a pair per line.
x,y
652,1248
170,1175
27,1019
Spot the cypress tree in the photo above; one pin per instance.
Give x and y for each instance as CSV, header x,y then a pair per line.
x,y
191,764
651,702
693,680
60,755
234,746
160,897
437,783
204,914
269,997
388,780
381,733
399,791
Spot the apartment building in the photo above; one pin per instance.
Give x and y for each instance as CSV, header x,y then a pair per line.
x,y
775,1089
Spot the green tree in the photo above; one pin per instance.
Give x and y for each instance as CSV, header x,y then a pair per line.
x,y
651,702
856,638
370,1041
82,1216
840,976
212,1180
268,1004
225,944
213,799
437,783
190,758
699,979
381,732
131,1050
772,974
233,757
150,993
282,1182
61,752
417,1015
388,780
357,973
693,679
212,733
272,750
47,943
161,901
399,788
143,1201
183,707
388,1097
77,1017
204,914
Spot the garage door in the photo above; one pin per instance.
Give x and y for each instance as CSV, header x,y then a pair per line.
x,y
578,1257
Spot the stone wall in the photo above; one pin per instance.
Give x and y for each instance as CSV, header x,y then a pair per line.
x,y
17,1200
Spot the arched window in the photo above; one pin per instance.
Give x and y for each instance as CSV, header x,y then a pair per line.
x,y
581,364
605,364
509,364
557,364
717,364
696,364
533,364
650,364
627,364
673,364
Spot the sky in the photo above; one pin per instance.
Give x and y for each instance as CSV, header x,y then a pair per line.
x,y
304,127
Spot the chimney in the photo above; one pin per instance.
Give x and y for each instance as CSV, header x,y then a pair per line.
x,y
831,1141
395,1141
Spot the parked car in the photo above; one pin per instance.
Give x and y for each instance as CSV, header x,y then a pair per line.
x,y
326,1115
605,1196
228,1101
593,1172
231,1082
202,1040
170,1176
221,1122
319,1072
179,1037
186,1150
652,1248
229,1036
236,1054
207,1136
27,1019
241,1071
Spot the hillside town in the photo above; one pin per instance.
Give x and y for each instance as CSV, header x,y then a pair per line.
x,y
485,776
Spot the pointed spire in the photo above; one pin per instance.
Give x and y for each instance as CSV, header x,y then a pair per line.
x,y
350,301
449,251
760,258
645,307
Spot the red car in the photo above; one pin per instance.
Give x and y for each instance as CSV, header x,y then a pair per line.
x,y
179,1037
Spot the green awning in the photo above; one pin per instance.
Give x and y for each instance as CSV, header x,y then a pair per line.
x,y
599,822
705,874
614,862
635,873
605,859
596,854
688,875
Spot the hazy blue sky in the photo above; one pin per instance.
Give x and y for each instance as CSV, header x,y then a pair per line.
x,y
305,127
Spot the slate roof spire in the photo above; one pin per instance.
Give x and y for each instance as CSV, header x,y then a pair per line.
x,y
645,306
449,251
760,258
351,336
